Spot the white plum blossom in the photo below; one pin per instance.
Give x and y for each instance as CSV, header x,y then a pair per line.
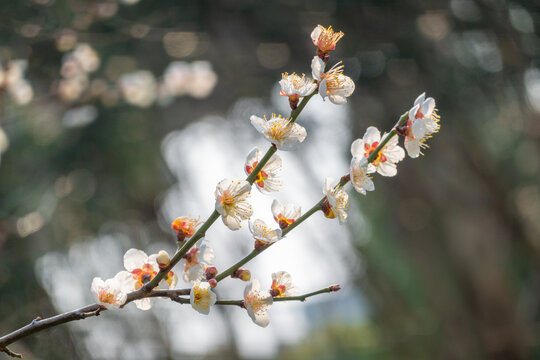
x,y
296,87
286,214
257,302
332,84
231,202
282,285
202,297
325,39
263,233
143,269
337,201
111,293
196,261
267,180
359,173
423,122
387,158
280,131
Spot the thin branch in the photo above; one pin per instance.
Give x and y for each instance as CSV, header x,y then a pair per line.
x,y
240,303
11,353
39,324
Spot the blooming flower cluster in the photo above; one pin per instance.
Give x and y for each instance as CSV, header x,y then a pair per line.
x,y
373,153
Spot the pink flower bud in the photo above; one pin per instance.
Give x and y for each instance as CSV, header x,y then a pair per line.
x,y
210,272
334,288
163,259
213,283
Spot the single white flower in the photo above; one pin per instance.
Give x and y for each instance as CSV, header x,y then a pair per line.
x,y
423,122
296,87
332,84
325,39
282,285
231,202
143,269
286,214
110,293
196,261
337,201
202,297
386,160
185,227
359,173
267,180
263,233
280,131
257,302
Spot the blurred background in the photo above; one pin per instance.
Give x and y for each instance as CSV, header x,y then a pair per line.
x,y
118,116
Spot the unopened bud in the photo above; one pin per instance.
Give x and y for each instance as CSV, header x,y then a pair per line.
x,y
334,288
293,102
242,274
163,259
210,272
212,282
327,209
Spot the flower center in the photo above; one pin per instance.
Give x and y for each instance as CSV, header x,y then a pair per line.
x,y
371,148
261,176
256,302
106,297
283,221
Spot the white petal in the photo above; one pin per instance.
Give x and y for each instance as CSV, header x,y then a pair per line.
x,y
328,185
253,156
97,283
395,154
134,259
231,222
143,304
420,99
258,123
337,99
317,68
323,88
419,128
316,33
413,148
387,169
262,319
372,134
357,147
413,111
428,106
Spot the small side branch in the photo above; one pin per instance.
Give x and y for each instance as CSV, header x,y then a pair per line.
x,y
241,303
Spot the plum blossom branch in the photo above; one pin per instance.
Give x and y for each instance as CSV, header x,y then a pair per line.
x,y
215,215
344,180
